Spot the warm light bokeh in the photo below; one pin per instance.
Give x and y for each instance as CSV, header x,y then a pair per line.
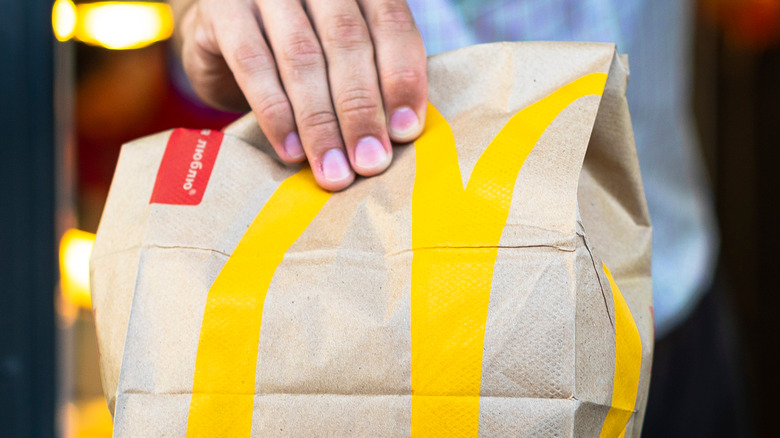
x,y
75,249
113,25
63,19
751,24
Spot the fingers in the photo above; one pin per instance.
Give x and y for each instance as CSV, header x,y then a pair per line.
x,y
333,83
354,85
401,64
230,63
302,67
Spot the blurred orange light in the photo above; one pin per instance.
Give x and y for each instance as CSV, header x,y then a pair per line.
x,y
116,25
63,19
75,249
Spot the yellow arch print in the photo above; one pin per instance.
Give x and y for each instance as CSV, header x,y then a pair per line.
x,y
455,234
628,364
450,288
223,389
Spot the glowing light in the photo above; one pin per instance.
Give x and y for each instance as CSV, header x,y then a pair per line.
x,y
75,249
63,19
86,418
119,25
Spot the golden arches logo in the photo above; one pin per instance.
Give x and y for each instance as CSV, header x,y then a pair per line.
x,y
455,236
224,385
450,287
628,364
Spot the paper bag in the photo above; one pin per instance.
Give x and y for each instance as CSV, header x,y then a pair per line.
x,y
494,281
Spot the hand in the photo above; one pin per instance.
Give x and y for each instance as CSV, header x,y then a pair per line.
x,y
331,81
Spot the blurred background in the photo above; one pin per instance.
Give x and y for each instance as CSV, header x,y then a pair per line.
x,y
80,79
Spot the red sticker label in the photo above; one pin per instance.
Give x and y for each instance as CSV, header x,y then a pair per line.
x,y
186,166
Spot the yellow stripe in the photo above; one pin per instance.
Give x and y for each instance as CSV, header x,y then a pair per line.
x,y
226,363
455,234
628,363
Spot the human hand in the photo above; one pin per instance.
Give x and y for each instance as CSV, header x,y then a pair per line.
x,y
324,78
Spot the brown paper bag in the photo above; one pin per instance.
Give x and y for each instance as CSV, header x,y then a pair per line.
x,y
464,292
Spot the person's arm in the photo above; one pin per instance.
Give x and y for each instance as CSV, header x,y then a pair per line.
x,y
332,81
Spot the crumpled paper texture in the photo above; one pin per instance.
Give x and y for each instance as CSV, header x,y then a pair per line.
x,y
336,353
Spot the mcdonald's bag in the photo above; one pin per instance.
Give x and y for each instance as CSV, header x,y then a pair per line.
x,y
494,281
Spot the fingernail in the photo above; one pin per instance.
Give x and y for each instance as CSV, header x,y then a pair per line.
x,y
334,166
404,124
293,147
370,154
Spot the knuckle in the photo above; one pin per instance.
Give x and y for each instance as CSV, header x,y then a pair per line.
x,y
403,79
357,104
249,58
203,46
302,51
205,40
317,120
347,31
394,16
272,107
